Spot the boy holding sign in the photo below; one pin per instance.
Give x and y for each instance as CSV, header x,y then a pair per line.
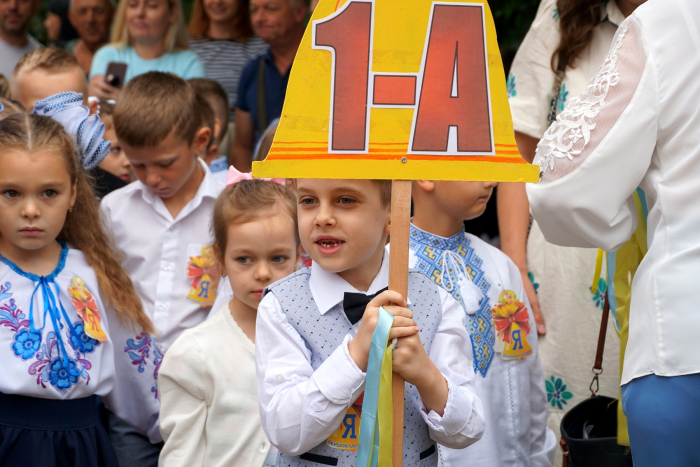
x,y
509,378
314,330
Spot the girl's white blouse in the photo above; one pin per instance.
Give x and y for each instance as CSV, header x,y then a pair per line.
x,y
48,354
637,125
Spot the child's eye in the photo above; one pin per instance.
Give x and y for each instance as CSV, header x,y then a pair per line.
x,y
165,164
346,201
243,259
279,259
116,149
50,193
11,194
307,201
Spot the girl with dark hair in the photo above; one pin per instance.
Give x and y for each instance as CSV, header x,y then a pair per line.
x,y
564,47
222,36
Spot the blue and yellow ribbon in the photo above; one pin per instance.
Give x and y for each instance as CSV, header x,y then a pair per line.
x,y
376,425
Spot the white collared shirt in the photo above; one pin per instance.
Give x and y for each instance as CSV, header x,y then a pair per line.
x,y
157,249
301,408
639,128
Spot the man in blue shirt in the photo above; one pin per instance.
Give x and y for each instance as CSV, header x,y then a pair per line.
x,y
280,23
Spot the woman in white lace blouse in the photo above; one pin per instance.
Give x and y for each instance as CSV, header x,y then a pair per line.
x,y
574,36
638,125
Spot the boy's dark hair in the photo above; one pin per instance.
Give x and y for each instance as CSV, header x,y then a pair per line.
x,y
154,105
217,98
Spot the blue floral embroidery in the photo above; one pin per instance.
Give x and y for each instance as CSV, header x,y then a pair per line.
x,y
49,365
139,350
4,291
26,344
599,295
158,358
510,86
555,14
63,377
563,95
557,395
81,341
535,284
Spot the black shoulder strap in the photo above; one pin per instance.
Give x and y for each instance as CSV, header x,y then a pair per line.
x,y
262,97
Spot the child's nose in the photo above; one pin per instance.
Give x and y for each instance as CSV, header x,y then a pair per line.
x,y
324,216
263,273
30,209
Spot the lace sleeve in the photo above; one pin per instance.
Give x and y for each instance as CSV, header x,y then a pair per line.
x,y
587,120
599,150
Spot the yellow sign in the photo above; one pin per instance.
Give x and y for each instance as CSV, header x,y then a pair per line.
x,y
397,89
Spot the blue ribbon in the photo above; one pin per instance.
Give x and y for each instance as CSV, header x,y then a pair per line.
x,y
50,300
369,428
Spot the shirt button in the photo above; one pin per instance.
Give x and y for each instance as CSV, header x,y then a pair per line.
x,y
263,446
162,307
280,377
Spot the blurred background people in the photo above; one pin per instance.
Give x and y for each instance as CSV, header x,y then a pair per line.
x,y
58,29
92,19
280,23
222,36
147,35
15,16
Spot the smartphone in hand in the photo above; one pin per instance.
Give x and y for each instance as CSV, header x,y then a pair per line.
x,y
116,74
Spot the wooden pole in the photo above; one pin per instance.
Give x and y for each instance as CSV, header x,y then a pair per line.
x,y
398,281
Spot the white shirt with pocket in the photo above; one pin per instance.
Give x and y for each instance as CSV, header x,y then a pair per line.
x,y
157,250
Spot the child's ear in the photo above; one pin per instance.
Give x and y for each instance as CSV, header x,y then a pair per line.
x,y
201,140
425,185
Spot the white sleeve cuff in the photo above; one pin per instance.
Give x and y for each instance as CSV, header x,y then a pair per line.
x,y
339,378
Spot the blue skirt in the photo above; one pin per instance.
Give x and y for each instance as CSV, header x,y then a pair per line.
x,y
53,433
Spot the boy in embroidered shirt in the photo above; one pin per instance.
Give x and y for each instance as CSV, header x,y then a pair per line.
x,y
312,351
509,377
161,221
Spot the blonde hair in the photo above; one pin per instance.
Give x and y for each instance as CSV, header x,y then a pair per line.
x,y
246,201
50,59
154,105
10,107
4,86
175,36
83,227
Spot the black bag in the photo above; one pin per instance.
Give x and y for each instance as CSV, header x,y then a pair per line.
x,y
589,429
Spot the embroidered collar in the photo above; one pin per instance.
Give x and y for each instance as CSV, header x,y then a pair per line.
x,y
435,241
453,265
35,278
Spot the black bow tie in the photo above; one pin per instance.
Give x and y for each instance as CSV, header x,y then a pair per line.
x,y
354,304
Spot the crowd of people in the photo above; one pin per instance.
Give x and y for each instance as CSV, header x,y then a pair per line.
x,y
159,306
